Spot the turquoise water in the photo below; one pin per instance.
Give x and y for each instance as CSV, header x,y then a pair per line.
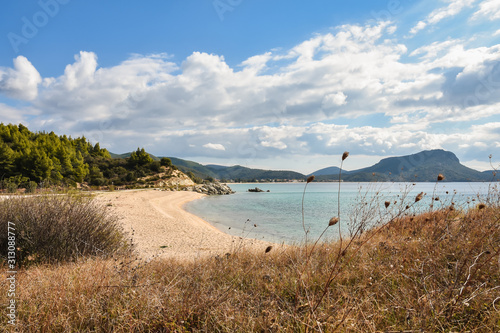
x,y
277,215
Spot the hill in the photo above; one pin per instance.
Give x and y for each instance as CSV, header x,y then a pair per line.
x,y
31,160
423,167
193,168
235,173
329,171
240,173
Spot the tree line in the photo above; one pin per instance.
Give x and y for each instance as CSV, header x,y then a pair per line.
x,y
33,159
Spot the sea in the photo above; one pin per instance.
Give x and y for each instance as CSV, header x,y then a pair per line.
x,y
295,212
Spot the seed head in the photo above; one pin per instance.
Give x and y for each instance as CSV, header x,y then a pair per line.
x,y
268,249
310,178
387,203
344,155
333,221
481,206
440,177
419,197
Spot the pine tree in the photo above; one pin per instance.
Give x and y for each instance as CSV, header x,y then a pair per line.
x,y
6,159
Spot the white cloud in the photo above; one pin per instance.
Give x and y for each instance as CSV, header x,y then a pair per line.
x,y
278,103
257,63
420,26
489,9
214,146
434,49
82,72
21,81
335,99
12,115
454,7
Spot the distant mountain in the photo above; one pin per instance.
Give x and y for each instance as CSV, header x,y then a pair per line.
x,y
420,167
329,171
491,175
241,173
216,167
235,173
423,167
197,169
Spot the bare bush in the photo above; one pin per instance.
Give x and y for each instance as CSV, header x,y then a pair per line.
x,y
58,228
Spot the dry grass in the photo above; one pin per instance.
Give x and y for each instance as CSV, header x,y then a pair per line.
x,y
57,228
434,272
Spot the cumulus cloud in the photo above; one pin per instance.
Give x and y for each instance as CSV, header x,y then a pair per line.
x,y
336,99
20,82
295,102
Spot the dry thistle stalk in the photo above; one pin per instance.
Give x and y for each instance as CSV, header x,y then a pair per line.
x,y
419,197
310,178
333,221
345,155
440,177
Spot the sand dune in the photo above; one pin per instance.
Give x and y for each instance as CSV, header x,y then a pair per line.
x,y
160,227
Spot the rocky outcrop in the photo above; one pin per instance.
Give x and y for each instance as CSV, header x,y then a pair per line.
x,y
177,178
168,179
256,190
211,189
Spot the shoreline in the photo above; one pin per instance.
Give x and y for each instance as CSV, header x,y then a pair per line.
x,y
160,227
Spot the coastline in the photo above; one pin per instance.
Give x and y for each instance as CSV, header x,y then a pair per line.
x,y
160,227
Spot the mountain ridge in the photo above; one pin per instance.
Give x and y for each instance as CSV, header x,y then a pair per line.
x,y
423,166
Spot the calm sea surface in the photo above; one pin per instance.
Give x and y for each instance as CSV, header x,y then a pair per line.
x,y
277,215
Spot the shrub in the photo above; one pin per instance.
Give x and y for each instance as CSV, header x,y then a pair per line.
x,y
31,187
155,166
58,228
11,187
165,161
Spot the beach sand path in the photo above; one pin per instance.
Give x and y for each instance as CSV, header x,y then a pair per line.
x,y
160,227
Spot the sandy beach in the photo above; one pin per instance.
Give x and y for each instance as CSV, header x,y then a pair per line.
x,y
160,227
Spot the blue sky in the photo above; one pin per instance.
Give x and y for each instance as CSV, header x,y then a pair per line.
x,y
272,84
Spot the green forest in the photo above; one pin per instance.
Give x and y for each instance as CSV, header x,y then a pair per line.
x,y
32,160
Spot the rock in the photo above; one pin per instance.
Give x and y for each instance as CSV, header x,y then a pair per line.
x,y
212,189
255,190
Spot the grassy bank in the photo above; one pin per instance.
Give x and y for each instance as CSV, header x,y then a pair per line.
x,y
434,272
